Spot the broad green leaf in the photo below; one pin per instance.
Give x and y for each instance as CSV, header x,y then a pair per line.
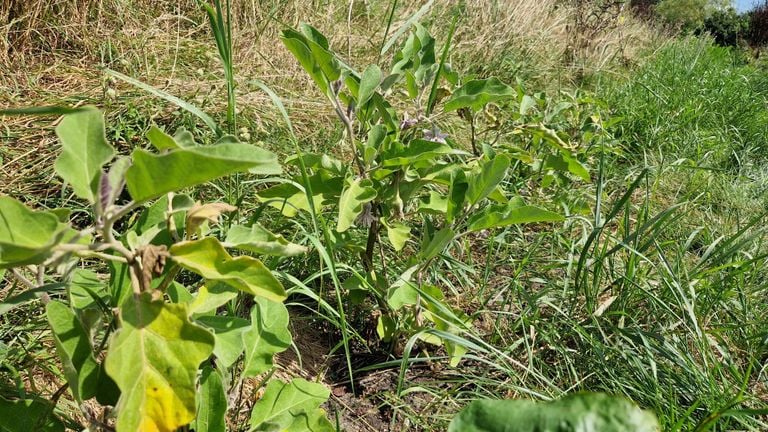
x,y
456,196
161,140
26,236
317,161
87,289
414,18
386,327
154,358
208,258
152,175
397,233
84,150
477,93
314,35
566,163
211,403
484,183
437,243
403,292
369,82
211,296
289,198
28,415
435,203
417,150
296,43
267,336
259,240
74,349
178,293
497,216
581,412
291,407
228,332
184,138
352,202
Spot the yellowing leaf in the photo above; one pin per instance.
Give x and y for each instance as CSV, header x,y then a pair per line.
x,y
154,359
208,258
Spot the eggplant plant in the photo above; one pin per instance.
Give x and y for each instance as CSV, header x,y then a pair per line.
x,y
156,348
411,187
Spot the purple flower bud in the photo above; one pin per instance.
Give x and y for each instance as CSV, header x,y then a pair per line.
x,y
407,123
435,135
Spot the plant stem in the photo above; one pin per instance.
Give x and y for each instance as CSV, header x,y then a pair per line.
x,y
350,132
21,278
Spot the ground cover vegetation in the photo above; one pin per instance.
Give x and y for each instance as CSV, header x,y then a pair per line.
x,y
325,215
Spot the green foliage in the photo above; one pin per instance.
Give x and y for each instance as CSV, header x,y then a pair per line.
x,y
208,258
26,236
154,359
687,15
155,348
708,91
726,26
291,407
409,178
584,412
211,403
28,415
152,175
84,150
75,351
268,335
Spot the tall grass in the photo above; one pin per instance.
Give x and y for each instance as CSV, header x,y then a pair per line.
x,y
695,100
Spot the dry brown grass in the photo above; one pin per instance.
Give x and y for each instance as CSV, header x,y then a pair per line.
x,y
51,52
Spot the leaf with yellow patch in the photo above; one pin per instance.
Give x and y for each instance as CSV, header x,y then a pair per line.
x,y
154,359
208,258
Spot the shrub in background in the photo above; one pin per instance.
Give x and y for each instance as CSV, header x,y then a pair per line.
x,y
685,15
727,26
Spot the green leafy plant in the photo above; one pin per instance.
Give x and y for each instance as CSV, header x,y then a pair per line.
x,y
581,412
138,337
412,188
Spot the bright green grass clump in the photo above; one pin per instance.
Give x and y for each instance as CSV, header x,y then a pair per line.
x,y
695,100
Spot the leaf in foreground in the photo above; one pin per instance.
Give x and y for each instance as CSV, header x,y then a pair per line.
x,y
291,407
74,349
476,94
154,359
152,175
28,415
352,202
208,258
260,240
26,236
267,336
583,412
212,403
513,213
